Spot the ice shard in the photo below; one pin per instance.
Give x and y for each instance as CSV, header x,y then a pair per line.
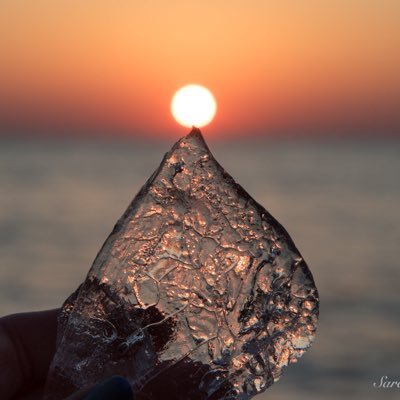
x,y
198,293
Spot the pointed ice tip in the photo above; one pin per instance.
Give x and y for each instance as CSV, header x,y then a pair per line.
x,y
196,138
195,131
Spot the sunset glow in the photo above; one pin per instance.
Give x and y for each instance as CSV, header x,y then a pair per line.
x,y
193,105
308,67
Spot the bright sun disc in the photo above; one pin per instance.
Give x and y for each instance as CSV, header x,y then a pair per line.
x,y
193,105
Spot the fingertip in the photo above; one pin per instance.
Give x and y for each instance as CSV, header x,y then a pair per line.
x,y
115,388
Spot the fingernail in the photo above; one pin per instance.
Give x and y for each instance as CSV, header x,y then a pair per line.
x,y
115,388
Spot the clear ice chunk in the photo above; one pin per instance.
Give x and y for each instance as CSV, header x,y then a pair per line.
x,y
198,292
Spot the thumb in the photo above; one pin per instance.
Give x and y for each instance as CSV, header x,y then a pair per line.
x,y
115,388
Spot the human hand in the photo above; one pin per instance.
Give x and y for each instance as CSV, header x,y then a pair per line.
x,y
27,346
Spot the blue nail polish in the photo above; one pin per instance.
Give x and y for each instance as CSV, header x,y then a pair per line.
x,y
115,388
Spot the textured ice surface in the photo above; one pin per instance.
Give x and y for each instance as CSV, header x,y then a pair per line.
x,y
198,293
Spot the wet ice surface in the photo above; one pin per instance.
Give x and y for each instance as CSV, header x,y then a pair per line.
x,y
198,292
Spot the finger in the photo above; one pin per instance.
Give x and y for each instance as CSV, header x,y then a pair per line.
x,y
27,346
116,388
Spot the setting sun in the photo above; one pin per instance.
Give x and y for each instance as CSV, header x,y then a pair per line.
x,y
193,105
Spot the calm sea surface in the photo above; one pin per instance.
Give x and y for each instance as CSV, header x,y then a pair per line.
x,y
339,201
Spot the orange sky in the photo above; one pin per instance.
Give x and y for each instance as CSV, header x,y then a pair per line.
x,y
297,67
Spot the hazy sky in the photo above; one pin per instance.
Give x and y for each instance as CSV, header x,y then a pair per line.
x,y
275,67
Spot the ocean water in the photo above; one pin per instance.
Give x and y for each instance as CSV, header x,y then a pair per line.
x,y
339,200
